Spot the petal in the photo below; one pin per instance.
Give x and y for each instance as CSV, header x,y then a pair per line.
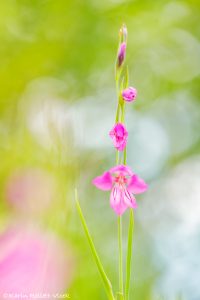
x,y
103,182
122,169
137,185
113,137
129,199
116,201
119,135
120,129
112,133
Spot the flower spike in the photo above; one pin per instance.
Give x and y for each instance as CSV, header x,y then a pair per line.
x,y
123,33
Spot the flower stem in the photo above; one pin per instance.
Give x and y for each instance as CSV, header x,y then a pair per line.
x,y
117,157
124,158
123,112
129,254
121,288
117,113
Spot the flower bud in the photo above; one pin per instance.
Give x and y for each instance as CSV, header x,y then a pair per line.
x,y
123,33
121,54
129,94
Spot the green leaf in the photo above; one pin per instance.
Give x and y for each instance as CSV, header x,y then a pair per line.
x,y
126,78
129,254
106,281
122,84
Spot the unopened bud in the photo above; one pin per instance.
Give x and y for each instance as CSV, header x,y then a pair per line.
x,y
121,54
123,33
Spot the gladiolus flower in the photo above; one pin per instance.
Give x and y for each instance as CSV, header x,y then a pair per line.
x,y
119,135
123,183
121,53
129,94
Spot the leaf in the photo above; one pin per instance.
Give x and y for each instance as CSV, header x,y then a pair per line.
x,y
126,78
129,254
106,281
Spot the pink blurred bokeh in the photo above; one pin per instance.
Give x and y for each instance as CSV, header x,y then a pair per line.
x,y
30,190
33,262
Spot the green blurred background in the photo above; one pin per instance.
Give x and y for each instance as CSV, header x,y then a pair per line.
x,y
57,105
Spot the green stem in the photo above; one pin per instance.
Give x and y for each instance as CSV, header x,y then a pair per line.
x,y
124,162
129,254
117,157
117,113
123,112
121,288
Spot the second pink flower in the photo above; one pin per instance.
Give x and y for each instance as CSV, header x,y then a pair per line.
x,y
119,135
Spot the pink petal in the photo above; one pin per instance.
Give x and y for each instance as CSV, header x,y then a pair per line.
x,y
129,199
137,185
103,182
121,147
120,129
116,201
122,169
112,133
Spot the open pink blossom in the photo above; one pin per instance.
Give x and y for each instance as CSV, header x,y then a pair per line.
x,y
123,183
121,53
119,135
129,94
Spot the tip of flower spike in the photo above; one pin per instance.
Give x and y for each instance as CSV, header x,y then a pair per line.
x,y
123,33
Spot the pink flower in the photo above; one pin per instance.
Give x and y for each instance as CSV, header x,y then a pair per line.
x,y
123,183
119,135
121,53
129,94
